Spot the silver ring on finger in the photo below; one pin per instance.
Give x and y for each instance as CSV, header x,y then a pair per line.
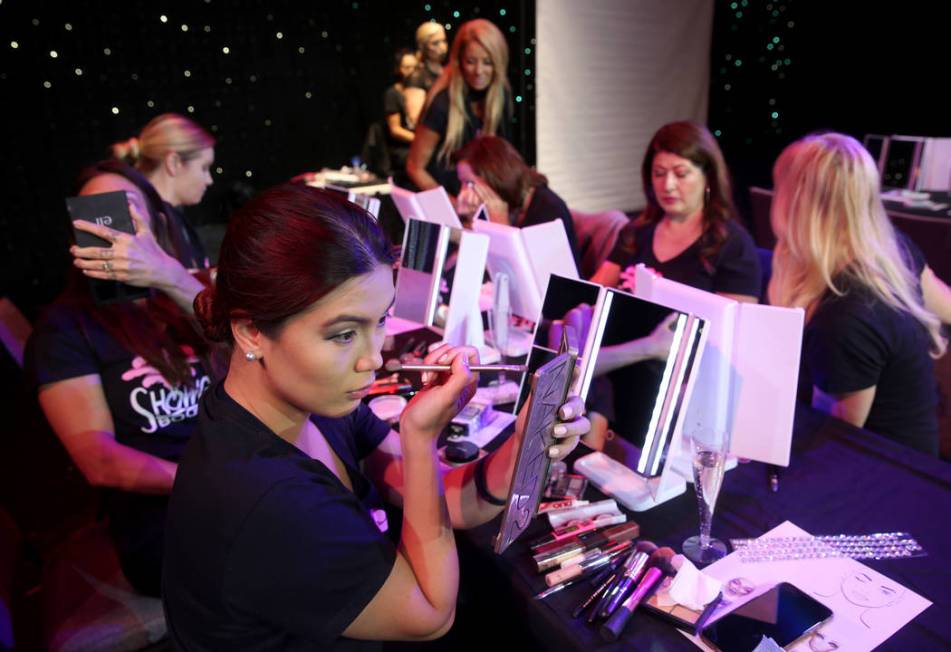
x,y
107,266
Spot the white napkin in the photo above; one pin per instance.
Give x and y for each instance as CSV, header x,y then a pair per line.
x,y
767,645
690,588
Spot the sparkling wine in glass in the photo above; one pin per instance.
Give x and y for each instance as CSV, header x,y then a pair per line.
x,y
709,450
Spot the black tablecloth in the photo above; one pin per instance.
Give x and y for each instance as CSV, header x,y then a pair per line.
x,y
840,480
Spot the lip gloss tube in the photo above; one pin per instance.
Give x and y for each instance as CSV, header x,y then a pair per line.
x,y
553,557
565,574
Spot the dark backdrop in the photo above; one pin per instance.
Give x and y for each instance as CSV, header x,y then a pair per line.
x,y
782,69
296,90
852,66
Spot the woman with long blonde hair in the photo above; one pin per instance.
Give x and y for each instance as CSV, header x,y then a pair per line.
x,y
470,98
872,304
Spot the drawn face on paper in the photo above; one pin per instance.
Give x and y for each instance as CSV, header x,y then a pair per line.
x,y
863,590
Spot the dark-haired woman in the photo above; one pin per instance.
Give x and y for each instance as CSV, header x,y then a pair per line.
x,y
492,172
120,383
688,232
400,122
275,539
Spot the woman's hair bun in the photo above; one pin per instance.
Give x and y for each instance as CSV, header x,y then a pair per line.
x,y
215,329
127,150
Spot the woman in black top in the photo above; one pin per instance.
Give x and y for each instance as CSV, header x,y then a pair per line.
x,y
688,232
471,97
399,125
120,383
872,304
275,535
492,172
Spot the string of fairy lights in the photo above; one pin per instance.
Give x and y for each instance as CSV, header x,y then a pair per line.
x,y
225,62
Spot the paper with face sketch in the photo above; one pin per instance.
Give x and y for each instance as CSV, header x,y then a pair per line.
x,y
867,607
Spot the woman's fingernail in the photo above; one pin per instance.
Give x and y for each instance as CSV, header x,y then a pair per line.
x,y
561,430
567,412
443,358
554,451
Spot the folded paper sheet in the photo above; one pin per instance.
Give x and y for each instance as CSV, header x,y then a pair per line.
x,y
867,607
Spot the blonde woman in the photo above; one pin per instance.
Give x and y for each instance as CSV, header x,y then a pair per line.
x,y
432,46
431,49
175,156
471,97
872,303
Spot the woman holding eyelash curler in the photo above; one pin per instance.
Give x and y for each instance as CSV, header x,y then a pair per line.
x,y
276,538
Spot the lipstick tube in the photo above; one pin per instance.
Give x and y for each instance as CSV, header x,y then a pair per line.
x,y
598,539
565,574
573,531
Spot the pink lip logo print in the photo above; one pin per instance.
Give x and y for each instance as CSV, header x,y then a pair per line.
x,y
157,401
141,367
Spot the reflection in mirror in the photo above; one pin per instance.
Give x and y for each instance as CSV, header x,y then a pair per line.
x,y
564,295
420,274
439,281
636,363
648,354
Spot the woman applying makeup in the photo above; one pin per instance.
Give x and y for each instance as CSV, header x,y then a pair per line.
x,y
175,156
874,309
275,539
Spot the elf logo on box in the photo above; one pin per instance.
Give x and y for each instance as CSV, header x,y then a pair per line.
x,y
105,220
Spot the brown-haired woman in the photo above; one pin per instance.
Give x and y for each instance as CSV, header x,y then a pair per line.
x,y
274,536
492,172
688,232
120,383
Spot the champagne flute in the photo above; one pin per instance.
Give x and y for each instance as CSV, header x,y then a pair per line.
x,y
708,448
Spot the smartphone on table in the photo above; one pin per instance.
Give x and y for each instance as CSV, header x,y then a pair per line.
x,y
784,613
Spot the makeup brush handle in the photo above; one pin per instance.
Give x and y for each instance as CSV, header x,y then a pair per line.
x,y
515,368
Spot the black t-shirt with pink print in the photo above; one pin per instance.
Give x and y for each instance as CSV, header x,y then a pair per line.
x,y
148,414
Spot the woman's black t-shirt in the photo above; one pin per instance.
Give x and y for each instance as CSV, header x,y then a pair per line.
x,y
148,414
734,270
265,548
436,117
856,341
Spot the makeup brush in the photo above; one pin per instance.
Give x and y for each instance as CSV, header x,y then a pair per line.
x,y
395,365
